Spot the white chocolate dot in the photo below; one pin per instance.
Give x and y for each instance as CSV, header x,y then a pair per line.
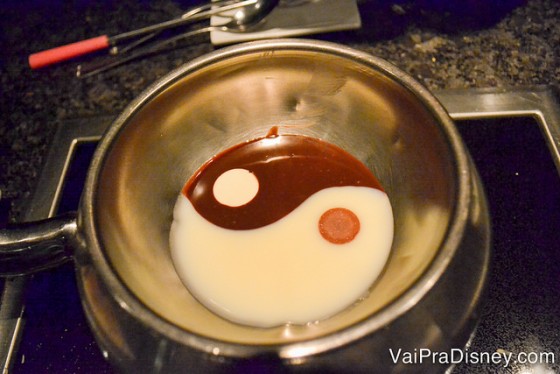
x,y
236,187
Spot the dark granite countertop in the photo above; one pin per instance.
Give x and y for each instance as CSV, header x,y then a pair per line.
x,y
453,44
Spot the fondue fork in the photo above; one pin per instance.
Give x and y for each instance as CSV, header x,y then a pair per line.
x,y
80,48
245,19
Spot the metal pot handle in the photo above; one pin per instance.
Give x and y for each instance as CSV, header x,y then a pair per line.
x,y
26,248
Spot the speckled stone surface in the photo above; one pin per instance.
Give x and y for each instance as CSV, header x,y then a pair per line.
x,y
443,44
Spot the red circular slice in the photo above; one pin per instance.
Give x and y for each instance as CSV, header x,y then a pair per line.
x,y
339,225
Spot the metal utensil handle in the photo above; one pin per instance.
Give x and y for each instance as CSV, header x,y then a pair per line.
x,y
30,247
66,52
84,71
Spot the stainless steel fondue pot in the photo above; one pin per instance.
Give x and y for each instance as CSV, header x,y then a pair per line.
x,y
142,316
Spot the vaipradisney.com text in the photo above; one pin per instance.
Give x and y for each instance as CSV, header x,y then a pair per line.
x,y
457,356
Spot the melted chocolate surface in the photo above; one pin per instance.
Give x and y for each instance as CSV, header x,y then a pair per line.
x,y
289,168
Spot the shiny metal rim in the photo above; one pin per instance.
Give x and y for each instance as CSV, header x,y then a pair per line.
x,y
299,349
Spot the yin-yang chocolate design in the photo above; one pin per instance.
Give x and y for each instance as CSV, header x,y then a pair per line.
x,y
281,229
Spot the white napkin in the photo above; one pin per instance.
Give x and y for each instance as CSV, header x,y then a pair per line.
x,y
295,18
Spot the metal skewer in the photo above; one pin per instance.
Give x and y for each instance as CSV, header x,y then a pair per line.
x,y
246,19
69,51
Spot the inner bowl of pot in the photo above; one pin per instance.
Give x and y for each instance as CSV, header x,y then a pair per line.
x,y
360,103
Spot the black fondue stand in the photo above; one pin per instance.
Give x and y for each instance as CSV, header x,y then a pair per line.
x,y
494,56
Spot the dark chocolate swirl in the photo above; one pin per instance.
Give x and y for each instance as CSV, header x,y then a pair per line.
x,y
289,168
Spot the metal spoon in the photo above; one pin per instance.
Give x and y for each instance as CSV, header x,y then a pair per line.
x,y
243,20
68,51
